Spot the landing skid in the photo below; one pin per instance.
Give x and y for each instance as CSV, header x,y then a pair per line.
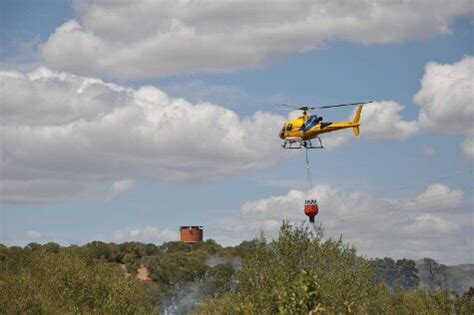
x,y
306,144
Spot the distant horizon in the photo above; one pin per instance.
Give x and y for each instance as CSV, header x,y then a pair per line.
x,y
224,246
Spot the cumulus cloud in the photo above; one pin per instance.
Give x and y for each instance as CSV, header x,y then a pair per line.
x,y
446,100
437,196
430,224
61,132
64,136
446,96
383,120
144,234
468,146
162,38
119,187
379,120
17,186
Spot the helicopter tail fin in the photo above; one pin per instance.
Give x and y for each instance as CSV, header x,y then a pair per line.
x,y
357,114
356,131
356,120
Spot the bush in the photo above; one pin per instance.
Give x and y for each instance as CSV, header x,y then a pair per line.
x,y
300,273
58,282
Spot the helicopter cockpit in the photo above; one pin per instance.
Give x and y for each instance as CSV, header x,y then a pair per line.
x,y
311,122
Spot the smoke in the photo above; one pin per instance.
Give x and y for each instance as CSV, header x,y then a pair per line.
x,y
214,260
186,296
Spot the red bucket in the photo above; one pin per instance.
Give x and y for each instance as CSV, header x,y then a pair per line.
x,y
311,209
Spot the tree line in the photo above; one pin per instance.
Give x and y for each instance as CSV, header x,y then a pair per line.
x,y
299,272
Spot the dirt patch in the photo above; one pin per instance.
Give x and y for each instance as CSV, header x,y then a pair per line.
x,y
143,274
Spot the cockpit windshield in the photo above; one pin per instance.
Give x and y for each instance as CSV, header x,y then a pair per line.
x,y
310,122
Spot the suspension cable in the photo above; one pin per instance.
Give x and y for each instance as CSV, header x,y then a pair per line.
x,y
310,182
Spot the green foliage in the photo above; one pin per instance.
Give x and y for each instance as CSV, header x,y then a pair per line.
x,y
280,269
426,302
303,296
228,303
51,247
107,251
433,274
54,281
218,280
209,246
182,275
385,271
299,272
174,268
407,274
399,275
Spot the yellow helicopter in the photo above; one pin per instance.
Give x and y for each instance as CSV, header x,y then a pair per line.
x,y
299,132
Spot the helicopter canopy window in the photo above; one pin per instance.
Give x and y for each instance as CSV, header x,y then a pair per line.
x,y
312,120
289,127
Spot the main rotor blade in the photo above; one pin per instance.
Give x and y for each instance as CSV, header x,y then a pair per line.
x,y
285,109
340,105
293,107
289,106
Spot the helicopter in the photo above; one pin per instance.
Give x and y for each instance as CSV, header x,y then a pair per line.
x,y
298,133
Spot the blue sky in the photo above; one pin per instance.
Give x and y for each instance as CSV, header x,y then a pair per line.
x,y
386,174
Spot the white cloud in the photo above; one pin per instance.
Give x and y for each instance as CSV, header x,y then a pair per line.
x,y
431,224
438,196
162,38
379,120
29,188
382,120
435,222
446,100
64,136
62,133
144,234
119,187
446,97
468,146
200,91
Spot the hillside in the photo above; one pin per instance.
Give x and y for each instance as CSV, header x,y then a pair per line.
x,y
433,275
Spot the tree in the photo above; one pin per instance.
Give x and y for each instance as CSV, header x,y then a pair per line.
x,y
433,274
399,275
51,247
385,271
33,246
299,272
108,251
302,273
45,282
178,277
407,275
218,280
